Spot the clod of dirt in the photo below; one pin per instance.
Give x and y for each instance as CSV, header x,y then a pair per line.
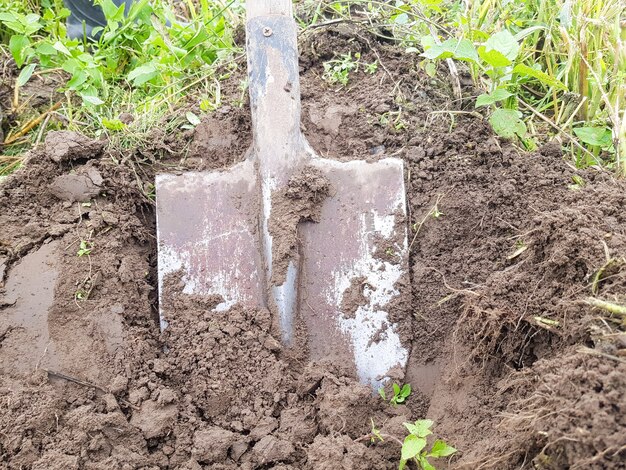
x,y
330,120
212,444
63,146
300,201
270,449
77,187
345,406
153,419
298,424
354,297
56,459
339,452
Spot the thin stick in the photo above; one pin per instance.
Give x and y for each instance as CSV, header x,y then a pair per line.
x,y
31,125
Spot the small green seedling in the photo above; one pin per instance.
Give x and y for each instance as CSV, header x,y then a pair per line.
x,y
414,446
371,68
85,248
577,183
375,434
338,70
400,394
436,213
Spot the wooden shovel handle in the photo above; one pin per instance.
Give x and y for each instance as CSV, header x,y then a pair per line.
x,y
256,8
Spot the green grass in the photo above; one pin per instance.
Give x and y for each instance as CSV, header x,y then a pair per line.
x,y
544,68
138,65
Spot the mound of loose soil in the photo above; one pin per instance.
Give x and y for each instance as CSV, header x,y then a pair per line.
x,y
514,367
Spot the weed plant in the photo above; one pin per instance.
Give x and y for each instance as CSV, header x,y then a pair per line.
x,y
137,64
545,67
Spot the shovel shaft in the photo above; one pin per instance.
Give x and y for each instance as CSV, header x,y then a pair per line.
x,y
274,86
256,8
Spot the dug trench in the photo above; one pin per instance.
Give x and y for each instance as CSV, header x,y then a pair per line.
x,y
507,358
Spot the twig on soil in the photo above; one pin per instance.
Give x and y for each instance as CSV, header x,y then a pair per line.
x,y
593,352
608,306
74,380
84,383
42,129
31,124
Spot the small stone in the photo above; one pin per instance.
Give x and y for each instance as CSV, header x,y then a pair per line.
x,y
109,218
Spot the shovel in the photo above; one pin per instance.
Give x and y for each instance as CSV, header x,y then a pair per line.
x,y
320,243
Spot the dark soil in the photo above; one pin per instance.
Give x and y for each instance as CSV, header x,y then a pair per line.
x,y
516,370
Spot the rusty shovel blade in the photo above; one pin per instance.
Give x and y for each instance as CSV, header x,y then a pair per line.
x,y
334,289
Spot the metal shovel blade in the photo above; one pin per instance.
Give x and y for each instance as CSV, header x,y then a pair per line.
x,y
333,288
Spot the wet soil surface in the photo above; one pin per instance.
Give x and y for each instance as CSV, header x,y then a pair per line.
x,y
508,359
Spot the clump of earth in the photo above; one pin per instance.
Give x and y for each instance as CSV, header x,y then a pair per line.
x,y
510,361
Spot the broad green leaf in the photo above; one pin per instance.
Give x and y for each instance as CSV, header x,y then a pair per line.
x,y
31,24
459,49
420,428
412,446
18,45
11,21
71,66
423,427
113,124
427,41
25,74
396,389
79,77
192,118
143,73
91,99
441,449
45,48
406,390
489,99
503,42
465,50
437,51
507,123
381,392
525,70
112,12
493,57
59,46
596,136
